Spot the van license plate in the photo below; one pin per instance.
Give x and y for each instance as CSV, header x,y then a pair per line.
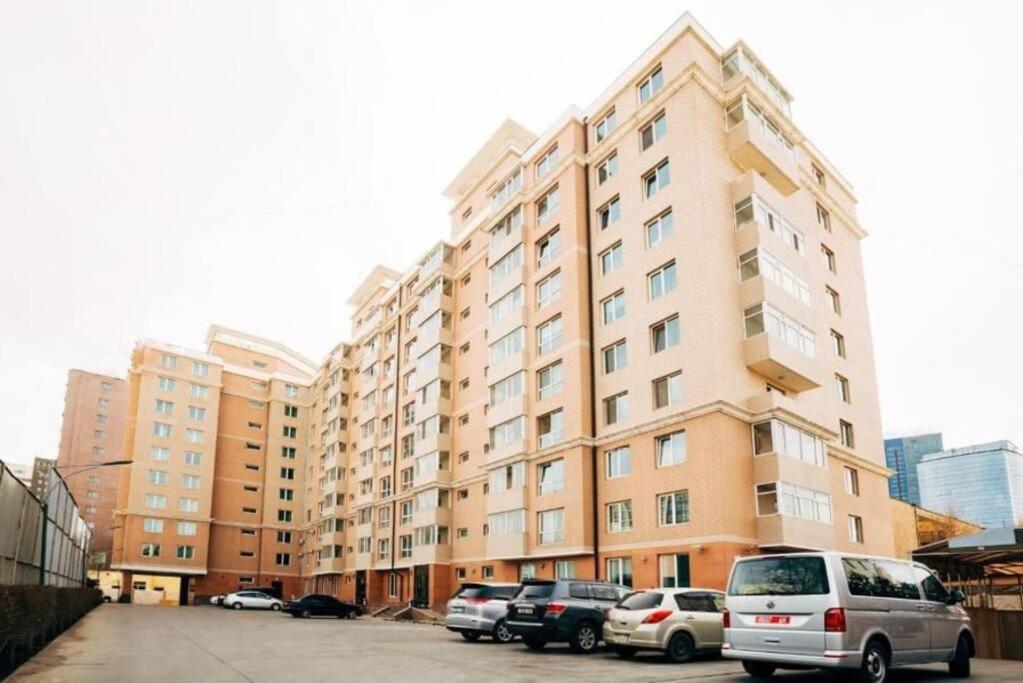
x,y
772,619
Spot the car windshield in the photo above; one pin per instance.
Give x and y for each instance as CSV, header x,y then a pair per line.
x,y
641,600
535,590
780,576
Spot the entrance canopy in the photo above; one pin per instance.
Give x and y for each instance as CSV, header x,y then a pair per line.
x,y
991,553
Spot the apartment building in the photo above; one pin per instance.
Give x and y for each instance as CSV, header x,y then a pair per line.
x,y
643,351
218,439
92,433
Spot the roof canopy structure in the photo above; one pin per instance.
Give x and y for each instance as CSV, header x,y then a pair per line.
x,y
991,553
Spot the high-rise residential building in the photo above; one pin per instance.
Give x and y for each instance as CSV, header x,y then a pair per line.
x,y
218,438
644,350
982,484
902,454
92,433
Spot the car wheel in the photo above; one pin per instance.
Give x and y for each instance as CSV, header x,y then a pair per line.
x,y
762,670
502,634
874,668
585,638
306,613
959,667
275,607
680,648
625,652
534,643
236,605
471,636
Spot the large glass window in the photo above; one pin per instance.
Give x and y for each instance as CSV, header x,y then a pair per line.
x,y
671,448
660,228
766,318
753,208
673,508
777,436
618,462
619,516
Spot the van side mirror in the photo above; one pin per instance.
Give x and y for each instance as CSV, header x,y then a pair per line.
x,y
955,596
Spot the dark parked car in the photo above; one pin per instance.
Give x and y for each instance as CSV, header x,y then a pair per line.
x,y
321,606
562,611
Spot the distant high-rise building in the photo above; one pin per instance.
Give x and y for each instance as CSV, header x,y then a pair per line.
x,y
93,427
902,454
982,484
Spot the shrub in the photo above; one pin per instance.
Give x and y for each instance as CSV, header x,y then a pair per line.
x,y
31,616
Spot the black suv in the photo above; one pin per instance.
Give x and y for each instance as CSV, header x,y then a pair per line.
x,y
562,611
321,606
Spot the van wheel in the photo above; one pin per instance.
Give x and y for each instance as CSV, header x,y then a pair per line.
x,y
959,666
680,648
501,633
471,636
585,638
874,668
534,643
759,669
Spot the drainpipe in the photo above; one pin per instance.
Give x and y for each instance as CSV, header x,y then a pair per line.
x,y
398,350
594,460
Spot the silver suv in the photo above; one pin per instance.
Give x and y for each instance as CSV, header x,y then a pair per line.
x,y
479,609
842,611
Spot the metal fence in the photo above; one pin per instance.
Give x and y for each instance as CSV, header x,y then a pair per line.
x,y
29,525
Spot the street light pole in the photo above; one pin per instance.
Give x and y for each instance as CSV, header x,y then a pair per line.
x,y
46,512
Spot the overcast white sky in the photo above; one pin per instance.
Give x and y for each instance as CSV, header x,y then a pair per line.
x,y
167,165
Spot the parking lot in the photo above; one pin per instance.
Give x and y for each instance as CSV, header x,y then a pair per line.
x,y
129,643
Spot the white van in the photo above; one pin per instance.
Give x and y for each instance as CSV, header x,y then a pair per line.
x,y
836,610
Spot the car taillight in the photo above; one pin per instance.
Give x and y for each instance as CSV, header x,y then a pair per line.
x,y
834,620
657,617
726,619
477,601
555,608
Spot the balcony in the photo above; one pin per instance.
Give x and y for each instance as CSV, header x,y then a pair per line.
x,y
775,404
773,358
755,144
509,499
500,247
440,405
431,443
431,554
438,476
428,337
430,305
780,467
511,363
508,322
507,546
441,258
507,450
507,282
441,516
784,531
506,410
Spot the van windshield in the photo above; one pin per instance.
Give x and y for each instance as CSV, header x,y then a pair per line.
x,y
780,576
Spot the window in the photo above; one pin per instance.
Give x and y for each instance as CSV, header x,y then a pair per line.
x,y
509,387
608,168
619,516
609,214
189,505
776,436
823,218
508,477
547,162
851,477
507,346
283,559
164,407
834,302
674,572
618,462
838,344
193,435
662,280
105,387
564,569
673,508
508,522
764,317
855,529
161,430
549,380
653,131
657,179
506,189
507,304
284,515
157,477
152,526
668,390
552,526
613,307
197,391
660,228
290,411
619,570
818,175
168,362
288,452
611,258
671,448
165,384
605,125
508,432
842,389
159,453
150,550
193,458
196,413
828,258
548,247
548,290
782,498
846,434
761,262
548,335
615,357
665,334
754,209
187,528
155,501
504,228
649,86
93,495
287,473
550,428
616,408
551,476
547,205
286,494
290,390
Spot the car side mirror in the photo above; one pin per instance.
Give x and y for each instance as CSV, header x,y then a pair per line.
x,y
956,596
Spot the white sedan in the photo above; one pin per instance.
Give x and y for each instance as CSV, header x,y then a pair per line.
x,y
251,600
